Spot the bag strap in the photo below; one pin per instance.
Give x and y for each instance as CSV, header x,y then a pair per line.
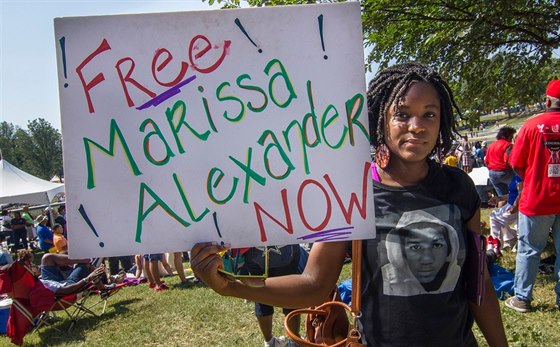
x,y
356,277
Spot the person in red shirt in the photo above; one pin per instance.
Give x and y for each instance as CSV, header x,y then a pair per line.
x,y
499,171
536,158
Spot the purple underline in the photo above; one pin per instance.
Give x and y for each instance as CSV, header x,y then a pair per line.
x,y
332,234
176,89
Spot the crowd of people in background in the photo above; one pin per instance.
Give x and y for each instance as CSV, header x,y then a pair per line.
x,y
47,232
535,157
524,172
20,230
466,155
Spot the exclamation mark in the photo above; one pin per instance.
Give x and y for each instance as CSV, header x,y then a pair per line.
x,y
320,19
82,211
215,217
238,22
62,48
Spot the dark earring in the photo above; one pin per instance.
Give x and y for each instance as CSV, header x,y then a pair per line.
x,y
382,155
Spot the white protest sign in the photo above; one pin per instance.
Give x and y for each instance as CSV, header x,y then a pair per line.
x,y
244,126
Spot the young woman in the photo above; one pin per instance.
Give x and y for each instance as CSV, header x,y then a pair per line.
x,y
411,115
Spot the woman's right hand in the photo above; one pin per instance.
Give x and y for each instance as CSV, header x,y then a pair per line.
x,y
205,262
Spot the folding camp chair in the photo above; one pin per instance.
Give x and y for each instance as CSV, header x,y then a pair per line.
x,y
101,297
77,305
72,304
34,305
29,298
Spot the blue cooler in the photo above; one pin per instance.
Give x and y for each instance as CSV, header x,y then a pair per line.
x,y
5,306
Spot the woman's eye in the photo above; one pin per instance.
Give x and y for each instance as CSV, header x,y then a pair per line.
x,y
438,245
430,115
401,115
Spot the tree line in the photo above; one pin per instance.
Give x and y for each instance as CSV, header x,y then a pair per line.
x,y
36,150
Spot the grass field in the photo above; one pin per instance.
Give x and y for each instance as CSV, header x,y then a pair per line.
x,y
196,316
489,133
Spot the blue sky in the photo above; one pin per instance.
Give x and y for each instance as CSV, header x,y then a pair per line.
x,y
29,87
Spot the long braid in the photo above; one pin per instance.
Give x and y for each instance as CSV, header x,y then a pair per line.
x,y
391,85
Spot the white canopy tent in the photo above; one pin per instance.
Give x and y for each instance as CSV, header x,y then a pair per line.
x,y
17,186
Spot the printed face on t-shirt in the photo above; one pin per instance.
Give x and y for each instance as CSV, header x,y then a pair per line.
x,y
426,251
422,253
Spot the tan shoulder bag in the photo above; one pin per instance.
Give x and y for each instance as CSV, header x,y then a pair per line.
x,y
327,325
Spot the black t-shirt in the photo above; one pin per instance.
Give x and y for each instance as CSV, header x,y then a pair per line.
x,y
60,220
413,290
18,224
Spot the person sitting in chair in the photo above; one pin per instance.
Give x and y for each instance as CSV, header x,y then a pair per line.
x,y
59,240
80,274
45,235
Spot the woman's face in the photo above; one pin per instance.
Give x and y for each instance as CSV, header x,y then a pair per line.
x,y
412,129
426,252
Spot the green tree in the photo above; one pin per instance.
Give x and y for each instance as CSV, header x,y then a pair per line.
x,y
46,156
23,150
37,150
490,50
7,135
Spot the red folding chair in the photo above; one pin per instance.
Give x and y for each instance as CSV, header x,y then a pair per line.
x,y
34,305
29,299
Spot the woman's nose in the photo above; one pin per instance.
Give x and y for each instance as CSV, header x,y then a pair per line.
x,y
416,125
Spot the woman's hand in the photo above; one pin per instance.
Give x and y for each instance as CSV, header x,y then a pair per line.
x,y
205,262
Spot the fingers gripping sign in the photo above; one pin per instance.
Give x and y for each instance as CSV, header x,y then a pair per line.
x,y
205,262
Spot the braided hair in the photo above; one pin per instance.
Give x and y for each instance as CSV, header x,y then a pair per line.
x,y
390,86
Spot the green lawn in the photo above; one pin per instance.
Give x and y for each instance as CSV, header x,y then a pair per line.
x,y
489,134
197,316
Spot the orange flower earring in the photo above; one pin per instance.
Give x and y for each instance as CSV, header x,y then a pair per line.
x,y
382,155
